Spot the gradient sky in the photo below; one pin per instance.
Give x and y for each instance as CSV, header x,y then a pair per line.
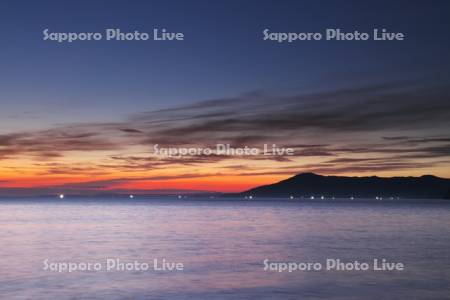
x,y
86,114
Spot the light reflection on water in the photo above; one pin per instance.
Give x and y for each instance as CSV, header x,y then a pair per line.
x,y
222,245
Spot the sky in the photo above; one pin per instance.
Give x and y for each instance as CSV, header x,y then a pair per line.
x,y
86,115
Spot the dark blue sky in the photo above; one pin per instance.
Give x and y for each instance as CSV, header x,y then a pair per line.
x,y
223,53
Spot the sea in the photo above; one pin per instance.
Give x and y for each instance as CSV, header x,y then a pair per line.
x,y
202,248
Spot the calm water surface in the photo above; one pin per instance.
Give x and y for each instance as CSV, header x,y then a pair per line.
x,y
222,245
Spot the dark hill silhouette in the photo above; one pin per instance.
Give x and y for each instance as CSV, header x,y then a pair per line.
x,y
310,184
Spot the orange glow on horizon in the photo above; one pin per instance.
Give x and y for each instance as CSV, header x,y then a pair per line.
x,y
99,172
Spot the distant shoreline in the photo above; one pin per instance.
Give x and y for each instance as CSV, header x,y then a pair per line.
x,y
168,199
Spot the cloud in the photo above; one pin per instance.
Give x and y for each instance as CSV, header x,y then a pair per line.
x,y
54,142
130,130
380,107
397,121
109,183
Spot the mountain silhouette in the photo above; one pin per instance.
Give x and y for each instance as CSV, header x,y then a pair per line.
x,y
310,184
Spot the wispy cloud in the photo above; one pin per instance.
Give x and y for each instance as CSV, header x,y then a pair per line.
x,y
374,128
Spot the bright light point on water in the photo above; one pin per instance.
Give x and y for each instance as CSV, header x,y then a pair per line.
x,y
61,196
250,197
312,198
291,197
179,196
322,197
131,196
351,198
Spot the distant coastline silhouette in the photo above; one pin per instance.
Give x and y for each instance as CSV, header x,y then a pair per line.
x,y
314,185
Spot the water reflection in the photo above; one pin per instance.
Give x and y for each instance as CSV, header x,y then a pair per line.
x,y
222,246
